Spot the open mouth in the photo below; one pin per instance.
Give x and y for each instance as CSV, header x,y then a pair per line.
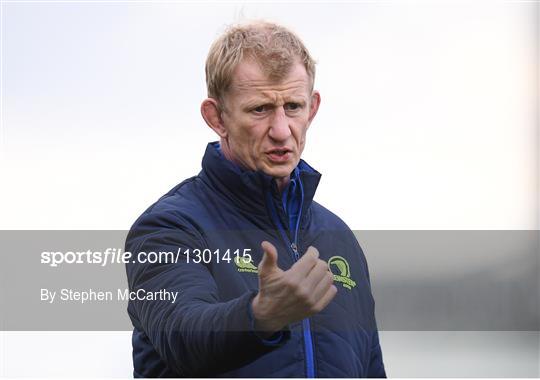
x,y
280,152
279,155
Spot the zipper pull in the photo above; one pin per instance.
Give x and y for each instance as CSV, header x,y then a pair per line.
x,y
295,250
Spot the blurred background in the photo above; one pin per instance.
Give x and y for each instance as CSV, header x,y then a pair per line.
x,y
428,122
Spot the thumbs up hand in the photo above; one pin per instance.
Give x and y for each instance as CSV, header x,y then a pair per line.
x,y
289,296
268,264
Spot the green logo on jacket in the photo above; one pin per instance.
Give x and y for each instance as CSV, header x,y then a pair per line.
x,y
244,264
341,271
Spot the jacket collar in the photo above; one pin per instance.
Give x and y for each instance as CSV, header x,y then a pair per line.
x,y
246,188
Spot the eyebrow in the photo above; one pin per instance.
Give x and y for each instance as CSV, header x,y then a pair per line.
x,y
259,101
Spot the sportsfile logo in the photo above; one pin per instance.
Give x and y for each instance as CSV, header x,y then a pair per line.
x,y
342,272
244,264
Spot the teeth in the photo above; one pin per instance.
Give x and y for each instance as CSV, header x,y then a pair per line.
x,y
279,152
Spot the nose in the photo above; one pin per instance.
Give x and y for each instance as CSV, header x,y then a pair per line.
x,y
279,125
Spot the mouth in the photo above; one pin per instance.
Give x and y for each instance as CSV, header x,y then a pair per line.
x,y
279,155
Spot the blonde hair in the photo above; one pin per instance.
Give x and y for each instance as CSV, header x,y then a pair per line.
x,y
273,46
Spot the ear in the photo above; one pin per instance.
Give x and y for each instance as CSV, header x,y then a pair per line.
x,y
211,113
314,105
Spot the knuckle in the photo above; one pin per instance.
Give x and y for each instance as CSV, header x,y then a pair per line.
x,y
289,283
303,294
321,264
330,277
314,309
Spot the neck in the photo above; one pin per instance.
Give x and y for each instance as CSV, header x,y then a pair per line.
x,y
282,183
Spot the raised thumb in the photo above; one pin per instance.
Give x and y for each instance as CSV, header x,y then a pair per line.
x,y
270,256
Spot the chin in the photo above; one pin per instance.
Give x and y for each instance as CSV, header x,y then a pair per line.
x,y
280,172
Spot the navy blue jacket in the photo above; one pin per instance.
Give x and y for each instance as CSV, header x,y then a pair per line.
x,y
209,331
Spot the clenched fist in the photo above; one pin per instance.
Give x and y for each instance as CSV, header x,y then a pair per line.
x,y
292,295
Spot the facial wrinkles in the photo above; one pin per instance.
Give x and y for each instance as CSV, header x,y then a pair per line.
x,y
276,94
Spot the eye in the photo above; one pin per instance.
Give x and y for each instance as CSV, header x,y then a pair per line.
x,y
292,106
260,109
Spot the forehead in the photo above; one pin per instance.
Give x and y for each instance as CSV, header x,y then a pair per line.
x,y
250,80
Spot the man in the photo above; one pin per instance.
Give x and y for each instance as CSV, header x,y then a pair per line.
x,y
269,282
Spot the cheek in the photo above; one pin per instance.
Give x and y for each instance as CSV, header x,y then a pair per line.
x,y
255,133
300,131
238,130
247,136
301,147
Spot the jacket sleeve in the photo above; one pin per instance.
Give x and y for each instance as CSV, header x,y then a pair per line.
x,y
376,365
197,335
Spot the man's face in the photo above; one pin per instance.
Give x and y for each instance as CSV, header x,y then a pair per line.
x,y
266,121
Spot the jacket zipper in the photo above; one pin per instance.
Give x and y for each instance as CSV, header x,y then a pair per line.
x,y
306,325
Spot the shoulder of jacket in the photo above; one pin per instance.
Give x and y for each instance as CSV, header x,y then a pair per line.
x,y
325,219
330,220
168,210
